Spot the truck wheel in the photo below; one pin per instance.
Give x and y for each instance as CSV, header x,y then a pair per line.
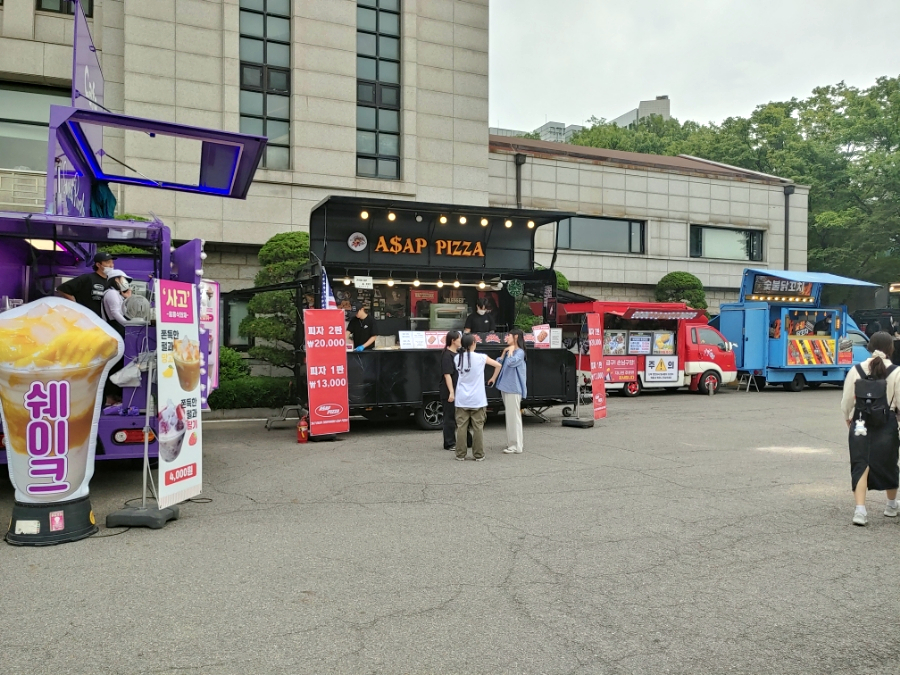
x,y
760,382
710,380
632,388
796,384
430,417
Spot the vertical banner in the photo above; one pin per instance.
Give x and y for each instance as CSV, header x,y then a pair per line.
x,y
326,371
210,322
595,345
179,432
54,359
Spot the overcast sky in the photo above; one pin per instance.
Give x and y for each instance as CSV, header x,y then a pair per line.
x,y
566,60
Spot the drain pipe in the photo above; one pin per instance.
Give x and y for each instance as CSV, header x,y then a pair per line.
x,y
520,160
788,191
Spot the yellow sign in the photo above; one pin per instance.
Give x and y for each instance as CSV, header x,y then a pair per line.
x,y
450,247
661,366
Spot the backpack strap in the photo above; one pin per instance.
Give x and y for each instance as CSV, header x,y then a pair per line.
x,y
859,369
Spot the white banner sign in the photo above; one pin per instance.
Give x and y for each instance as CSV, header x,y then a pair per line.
x,y
179,362
661,369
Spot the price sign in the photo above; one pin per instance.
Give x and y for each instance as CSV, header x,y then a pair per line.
x,y
363,283
326,371
595,346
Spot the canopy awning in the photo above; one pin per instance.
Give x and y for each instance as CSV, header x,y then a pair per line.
x,y
226,161
59,228
811,277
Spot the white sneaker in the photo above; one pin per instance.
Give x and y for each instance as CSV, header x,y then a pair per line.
x,y
509,451
892,511
860,518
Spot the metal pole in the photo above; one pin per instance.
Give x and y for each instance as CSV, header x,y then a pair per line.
x,y
147,432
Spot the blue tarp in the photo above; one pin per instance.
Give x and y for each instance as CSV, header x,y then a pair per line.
x,y
812,277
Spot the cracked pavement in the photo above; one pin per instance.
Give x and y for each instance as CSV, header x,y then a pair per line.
x,y
684,534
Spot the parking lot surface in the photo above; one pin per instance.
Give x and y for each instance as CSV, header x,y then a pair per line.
x,y
684,534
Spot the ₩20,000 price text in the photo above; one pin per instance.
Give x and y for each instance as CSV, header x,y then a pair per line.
x,y
318,343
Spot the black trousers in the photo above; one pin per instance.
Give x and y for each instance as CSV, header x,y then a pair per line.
x,y
450,425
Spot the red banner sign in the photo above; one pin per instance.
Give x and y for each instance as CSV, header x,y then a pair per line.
x,y
326,370
620,369
595,343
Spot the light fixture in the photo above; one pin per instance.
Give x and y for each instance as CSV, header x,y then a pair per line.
x,y
484,222
416,282
462,220
392,216
530,224
364,215
443,220
346,281
508,223
481,284
418,218
456,283
44,245
390,281
440,283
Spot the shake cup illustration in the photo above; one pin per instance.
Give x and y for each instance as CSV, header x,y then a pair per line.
x,y
187,363
54,355
171,431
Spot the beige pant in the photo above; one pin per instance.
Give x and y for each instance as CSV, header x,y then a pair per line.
x,y
514,436
475,417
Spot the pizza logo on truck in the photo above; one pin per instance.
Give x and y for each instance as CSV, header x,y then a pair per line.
x,y
329,410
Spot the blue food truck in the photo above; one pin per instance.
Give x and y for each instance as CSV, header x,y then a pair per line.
x,y
781,332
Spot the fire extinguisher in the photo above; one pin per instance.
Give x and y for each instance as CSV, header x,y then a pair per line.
x,y
303,430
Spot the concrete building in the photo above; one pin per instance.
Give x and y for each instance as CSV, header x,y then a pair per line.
x,y
555,132
368,98
661,106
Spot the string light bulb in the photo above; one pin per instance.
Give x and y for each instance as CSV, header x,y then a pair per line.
x,y
346,281
482,285
508,223
443,220
456,283
364,215
530,224
484,222
462,220
392,216
390,282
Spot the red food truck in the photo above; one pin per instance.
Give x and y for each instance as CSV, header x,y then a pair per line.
x,y
654,345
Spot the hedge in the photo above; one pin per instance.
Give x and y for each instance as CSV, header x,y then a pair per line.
x,y
252,392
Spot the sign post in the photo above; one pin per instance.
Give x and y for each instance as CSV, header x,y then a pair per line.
x,y
326,371
595,346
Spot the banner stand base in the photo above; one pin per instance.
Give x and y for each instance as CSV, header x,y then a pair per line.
x,y
48,524
577,423
155,519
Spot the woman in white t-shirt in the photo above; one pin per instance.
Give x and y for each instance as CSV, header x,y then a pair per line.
x,y
471,397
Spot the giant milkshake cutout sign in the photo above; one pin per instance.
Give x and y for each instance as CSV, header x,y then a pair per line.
x,y
55,356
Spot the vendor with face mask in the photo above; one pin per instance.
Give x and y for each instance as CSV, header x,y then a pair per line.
x,y
481,320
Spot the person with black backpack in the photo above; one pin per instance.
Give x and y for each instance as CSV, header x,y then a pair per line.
x,y
870,401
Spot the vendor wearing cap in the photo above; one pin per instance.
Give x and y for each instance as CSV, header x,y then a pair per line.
x,y
481,320
362,328
88,289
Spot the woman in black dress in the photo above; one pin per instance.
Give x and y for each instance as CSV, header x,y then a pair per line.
x,y
874,448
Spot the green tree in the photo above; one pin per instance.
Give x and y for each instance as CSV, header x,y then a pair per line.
x,y
272,316
841,141
124,249
681,287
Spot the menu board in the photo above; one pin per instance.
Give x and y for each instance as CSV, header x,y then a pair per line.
x,y
556,338
664,343
639,342
598,384
615,342
435,339
326,369
541,336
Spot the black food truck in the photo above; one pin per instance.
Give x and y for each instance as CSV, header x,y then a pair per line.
x,y
420,269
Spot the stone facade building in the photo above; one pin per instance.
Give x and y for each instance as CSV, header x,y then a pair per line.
x,y
381,98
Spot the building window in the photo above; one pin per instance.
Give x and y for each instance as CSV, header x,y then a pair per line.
x,y
24,124
265,52
378,89
601,234
726,244
64,6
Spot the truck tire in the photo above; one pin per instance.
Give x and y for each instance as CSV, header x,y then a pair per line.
x,y
796,384
632,389
430,417
709,380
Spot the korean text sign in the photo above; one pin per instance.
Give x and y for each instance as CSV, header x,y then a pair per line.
x,y
179,393
55,356
595,351
326,371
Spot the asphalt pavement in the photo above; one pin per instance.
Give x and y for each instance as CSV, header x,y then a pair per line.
x,y
684,534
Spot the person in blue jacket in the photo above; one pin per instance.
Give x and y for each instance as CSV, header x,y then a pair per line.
x,y
511,383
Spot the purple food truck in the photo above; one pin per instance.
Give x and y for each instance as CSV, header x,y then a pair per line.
x,y
39,251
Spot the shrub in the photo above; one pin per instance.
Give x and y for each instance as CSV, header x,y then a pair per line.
x,y
231,365
252,392
681,287
272,316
